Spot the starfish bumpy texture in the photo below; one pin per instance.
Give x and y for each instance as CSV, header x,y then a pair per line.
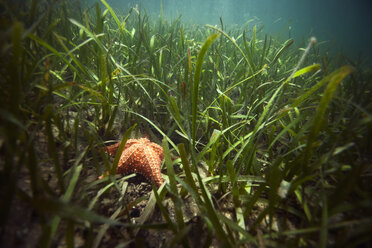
x,y
140,156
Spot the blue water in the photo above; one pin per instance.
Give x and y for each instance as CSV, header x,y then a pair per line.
x,y
338,25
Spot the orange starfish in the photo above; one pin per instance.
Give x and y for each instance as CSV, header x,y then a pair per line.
x,y
140,156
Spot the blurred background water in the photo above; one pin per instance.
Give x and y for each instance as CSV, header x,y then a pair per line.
x,y
344,25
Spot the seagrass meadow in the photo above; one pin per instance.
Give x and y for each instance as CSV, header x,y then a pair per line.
x,y
267,142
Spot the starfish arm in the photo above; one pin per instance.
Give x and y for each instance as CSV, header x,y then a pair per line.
x,y
127,162
112,149
159,150
152,166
